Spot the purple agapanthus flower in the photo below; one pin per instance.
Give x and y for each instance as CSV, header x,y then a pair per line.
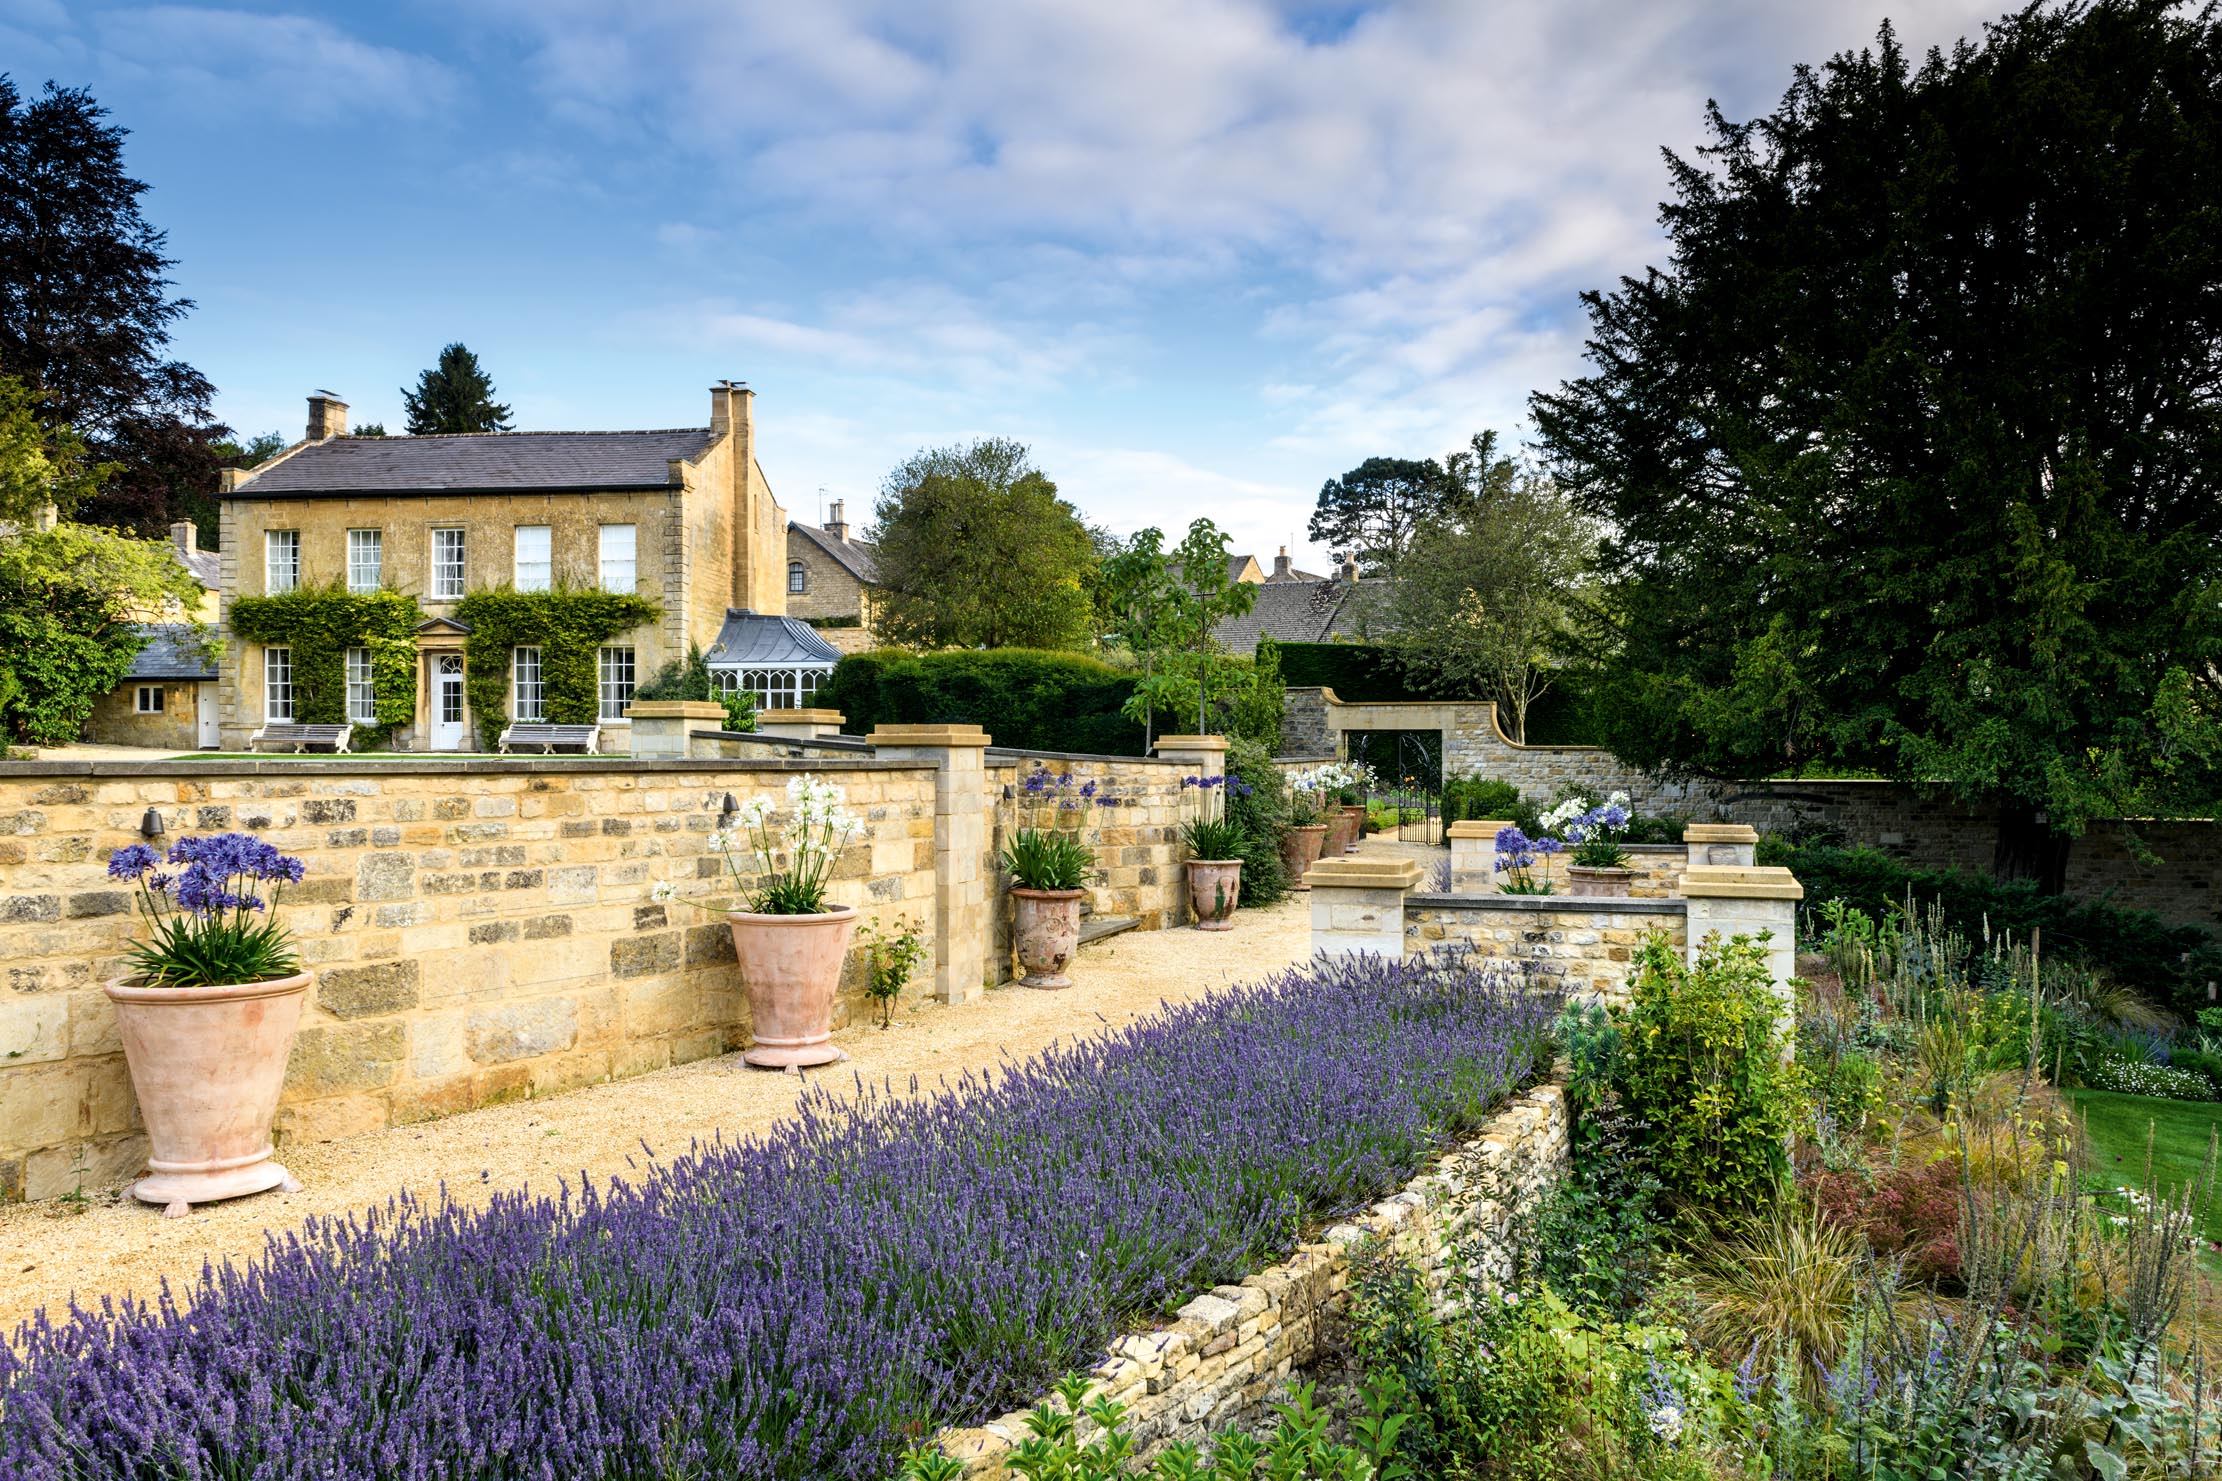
x,y
131,861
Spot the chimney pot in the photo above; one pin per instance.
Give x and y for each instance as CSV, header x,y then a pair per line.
x,y
836,526
327,416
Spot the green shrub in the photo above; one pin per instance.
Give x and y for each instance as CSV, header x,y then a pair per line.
x,y
1257,799
1701,1065
1032,699
2167,962
1479,797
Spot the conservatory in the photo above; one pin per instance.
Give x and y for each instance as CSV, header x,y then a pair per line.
x,y
781,660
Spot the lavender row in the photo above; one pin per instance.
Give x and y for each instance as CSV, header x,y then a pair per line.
x,y
804,1303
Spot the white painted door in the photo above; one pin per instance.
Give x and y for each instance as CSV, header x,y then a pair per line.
x,y
206,705
447,702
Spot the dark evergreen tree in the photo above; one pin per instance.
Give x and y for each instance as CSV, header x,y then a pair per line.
x,y
1373,510
455,395
85,312
1911,459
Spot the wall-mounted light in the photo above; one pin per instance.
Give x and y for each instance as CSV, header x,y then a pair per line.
x,y
152,826
728,809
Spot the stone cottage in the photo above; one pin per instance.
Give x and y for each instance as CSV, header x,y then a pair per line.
x,y
168,698
683,516
830,579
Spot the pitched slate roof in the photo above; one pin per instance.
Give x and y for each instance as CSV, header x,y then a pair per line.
x,y
172,652
478,462
759,640
1292,612
206,566
854,556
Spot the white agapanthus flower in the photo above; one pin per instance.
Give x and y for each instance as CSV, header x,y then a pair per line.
x,y
663,892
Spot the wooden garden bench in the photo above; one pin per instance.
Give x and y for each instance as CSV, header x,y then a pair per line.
x,y
548,737
301,737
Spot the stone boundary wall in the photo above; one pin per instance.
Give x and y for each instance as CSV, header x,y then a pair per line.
x,y
480,931
1586,946
1228,1354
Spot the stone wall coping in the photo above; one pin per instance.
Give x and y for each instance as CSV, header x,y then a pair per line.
x,y
955,737
798,717
674,709
1191,743
1720,833
436,765
852,743
1478,827
1013,755
1363,874
1552,904
1727,881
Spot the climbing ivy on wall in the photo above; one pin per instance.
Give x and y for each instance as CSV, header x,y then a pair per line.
x,y
568,625
320,623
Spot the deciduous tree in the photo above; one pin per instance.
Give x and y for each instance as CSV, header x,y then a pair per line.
x,y
1909,457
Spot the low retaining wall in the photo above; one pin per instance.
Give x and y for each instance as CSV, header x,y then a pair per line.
x,y
1586,945
1222,1362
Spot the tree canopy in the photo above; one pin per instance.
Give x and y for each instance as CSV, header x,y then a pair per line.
x,y
1373,511
456,395
85,312
975,549
41,466
1909,457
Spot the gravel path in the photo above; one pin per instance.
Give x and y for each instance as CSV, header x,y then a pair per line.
x,y
116,1246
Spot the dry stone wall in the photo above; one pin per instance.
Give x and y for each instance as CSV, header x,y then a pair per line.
x,y
1228,1355
479,931
1584,946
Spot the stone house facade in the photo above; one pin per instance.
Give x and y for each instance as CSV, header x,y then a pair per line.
x,y
168,697
682,516
829,578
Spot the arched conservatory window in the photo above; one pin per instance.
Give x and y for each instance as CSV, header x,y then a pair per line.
x,y
775,689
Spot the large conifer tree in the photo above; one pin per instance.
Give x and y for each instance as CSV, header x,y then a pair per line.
x,y
455,395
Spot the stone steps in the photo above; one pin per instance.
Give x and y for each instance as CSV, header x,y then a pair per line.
x,y
1095,928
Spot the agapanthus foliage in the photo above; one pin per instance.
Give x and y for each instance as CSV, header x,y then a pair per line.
x,y
1517,858
210,921
801,1304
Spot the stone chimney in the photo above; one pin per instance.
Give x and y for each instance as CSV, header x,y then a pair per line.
x,y
1282,566
733,413
185,537
1349,570
327,416
836,526
729,404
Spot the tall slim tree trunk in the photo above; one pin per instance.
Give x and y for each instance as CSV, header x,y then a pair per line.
x,y
2028,848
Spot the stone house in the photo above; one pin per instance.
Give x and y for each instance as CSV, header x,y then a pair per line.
x,y
168,698
683,516
830,579
1296,607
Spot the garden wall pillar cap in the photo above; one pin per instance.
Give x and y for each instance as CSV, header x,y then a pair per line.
x,y
1477,828
952,736
674,709
1720,833
1190,743
802,717
1727,881
1363,874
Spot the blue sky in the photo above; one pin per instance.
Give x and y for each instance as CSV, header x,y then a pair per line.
x,y
1201,254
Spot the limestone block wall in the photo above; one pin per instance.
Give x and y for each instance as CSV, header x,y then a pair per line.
x,y
1584,945
480,931
116,721
1227,1356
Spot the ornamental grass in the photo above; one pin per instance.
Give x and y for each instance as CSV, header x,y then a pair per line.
x,y
806,1302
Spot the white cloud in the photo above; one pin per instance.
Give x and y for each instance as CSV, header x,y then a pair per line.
x,y
297,67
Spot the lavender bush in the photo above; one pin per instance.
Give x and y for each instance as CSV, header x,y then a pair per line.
x,y
801,1304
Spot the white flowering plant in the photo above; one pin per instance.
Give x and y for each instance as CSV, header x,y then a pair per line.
x,y
792,861
1593,830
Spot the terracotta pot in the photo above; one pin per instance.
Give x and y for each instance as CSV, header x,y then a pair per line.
x,y
1213,887
1356,812
1046,930
1599,883
1300,850
207,1064
1340,831
791,969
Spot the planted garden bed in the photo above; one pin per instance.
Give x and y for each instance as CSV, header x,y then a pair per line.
x,y
803,1304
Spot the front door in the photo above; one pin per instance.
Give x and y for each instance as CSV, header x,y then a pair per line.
x,y
447,702
206,715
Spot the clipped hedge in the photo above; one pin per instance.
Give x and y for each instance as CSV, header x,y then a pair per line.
x,y
567,624
2169,963
319,624
1033,698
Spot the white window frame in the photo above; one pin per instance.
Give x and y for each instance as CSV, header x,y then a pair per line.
x,y
620,571
362,692
617,674
277,685
281,561
798,578
447,576
528,690
775,688
366,559
140,705
538,574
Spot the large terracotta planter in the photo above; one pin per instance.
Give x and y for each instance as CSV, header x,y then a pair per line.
x,y
1356,812
1046,930
791,969
1213,887
1341,829
208,1063
1300,850
1611,884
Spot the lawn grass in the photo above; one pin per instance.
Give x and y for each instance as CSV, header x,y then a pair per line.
x,y
2117,1126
